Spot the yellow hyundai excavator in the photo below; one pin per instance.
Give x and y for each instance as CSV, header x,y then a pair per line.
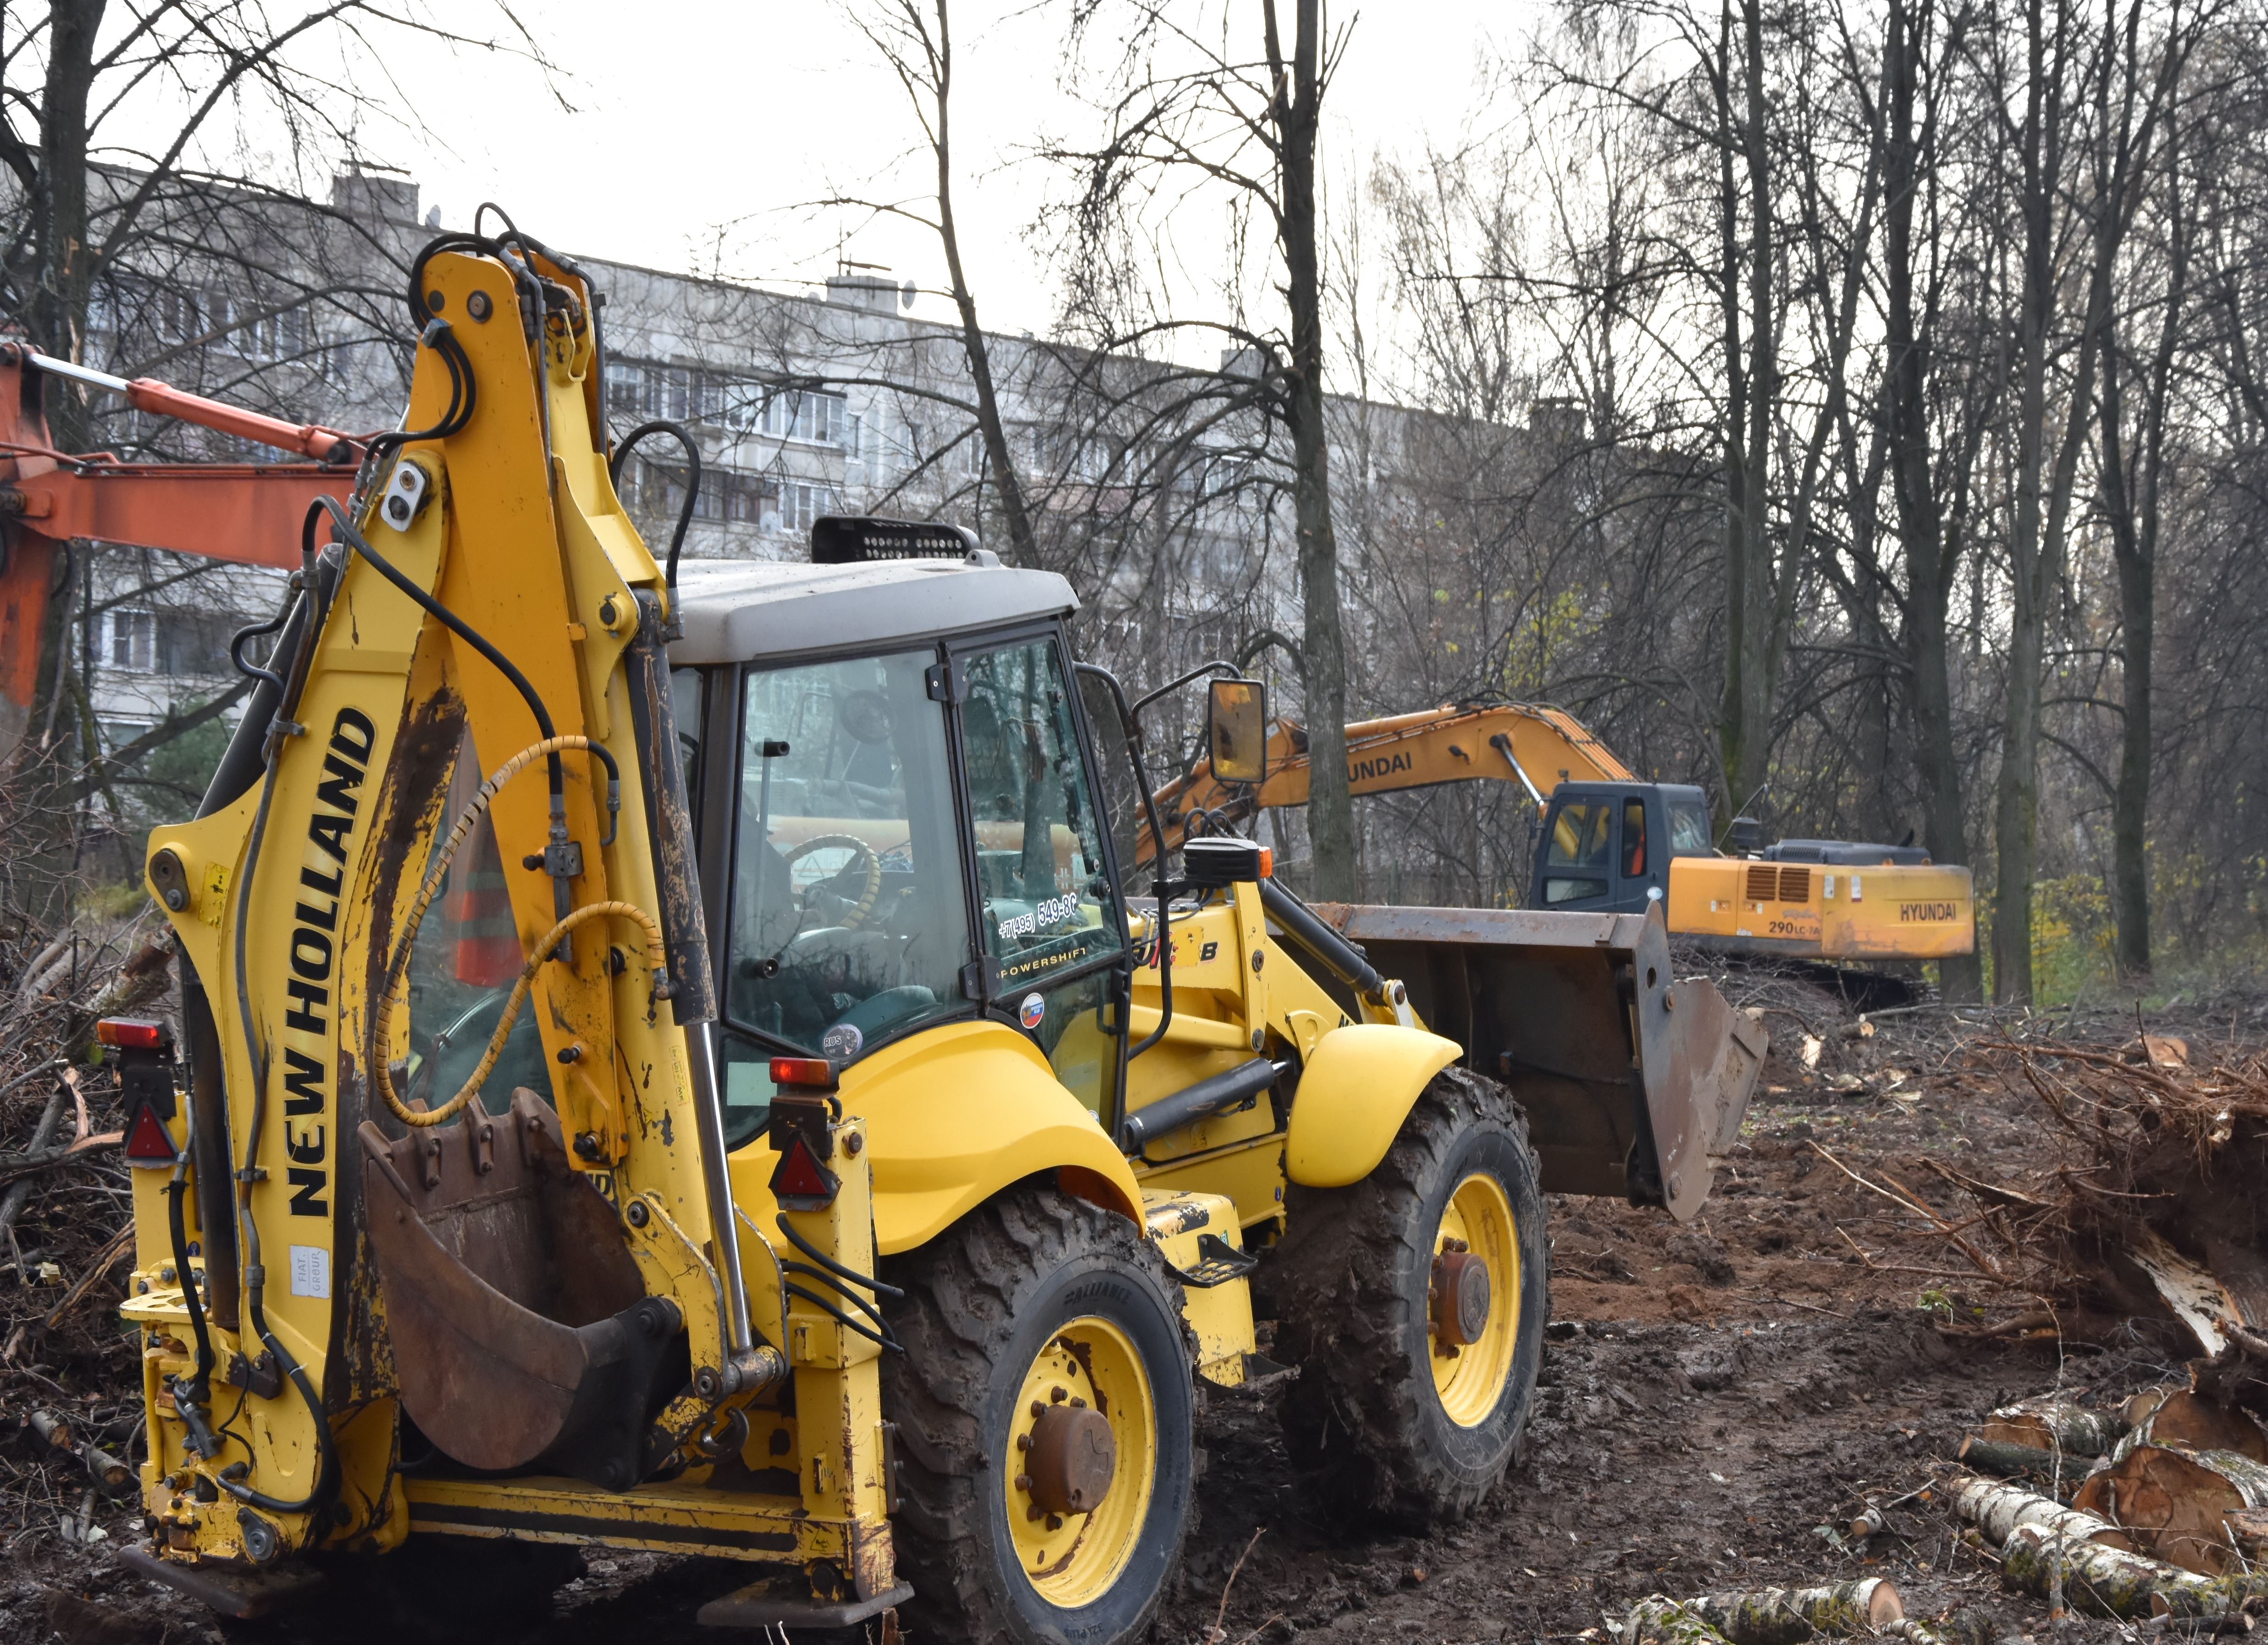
x,y
676,1064
1611,841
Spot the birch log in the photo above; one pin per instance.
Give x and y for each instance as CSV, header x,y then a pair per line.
x,y
2054,1425
1991,1456
1789,1616
1656,1620
2175,1503
1997,1509
2102,1582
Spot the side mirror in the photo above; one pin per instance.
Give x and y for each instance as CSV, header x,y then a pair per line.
x,y
1748,836
1239,730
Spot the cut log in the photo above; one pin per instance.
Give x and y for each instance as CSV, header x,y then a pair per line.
x,y
1868,1522
2027,1461
2054,1425
2247,1529
1965,1626
1789,1616
1998,1509
110,1474
2193,1422
2173,1503
2102,1582
55,1429
2138,1407
1657,1620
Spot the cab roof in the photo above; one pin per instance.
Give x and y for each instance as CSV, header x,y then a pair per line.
x,y
740,611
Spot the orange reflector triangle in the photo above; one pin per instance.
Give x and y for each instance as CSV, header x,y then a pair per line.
x,y
149,1143
800,1182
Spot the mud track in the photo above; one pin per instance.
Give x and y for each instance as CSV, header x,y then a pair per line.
x,y
1718,1402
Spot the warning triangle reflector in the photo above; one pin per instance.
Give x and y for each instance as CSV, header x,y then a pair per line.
x,y
800,1182
149,1143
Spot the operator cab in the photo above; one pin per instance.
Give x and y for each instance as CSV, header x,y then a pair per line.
x,y
898,819
1606,847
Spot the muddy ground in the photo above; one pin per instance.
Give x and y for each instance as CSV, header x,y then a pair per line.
x,y
1717,1402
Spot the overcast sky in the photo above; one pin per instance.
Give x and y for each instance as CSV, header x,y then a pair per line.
x,y
698,129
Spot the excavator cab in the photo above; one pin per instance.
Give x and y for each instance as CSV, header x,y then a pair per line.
x,y
1606,847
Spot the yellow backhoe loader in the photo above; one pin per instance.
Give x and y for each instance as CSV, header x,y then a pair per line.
x,y
676,1064
1610,841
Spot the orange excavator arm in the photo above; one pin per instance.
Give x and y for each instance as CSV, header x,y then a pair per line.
x,y
1527,743
246,513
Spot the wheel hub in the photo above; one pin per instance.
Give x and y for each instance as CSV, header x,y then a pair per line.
x,y
1073,1459
1460,1296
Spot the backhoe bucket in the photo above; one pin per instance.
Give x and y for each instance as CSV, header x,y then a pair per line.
x,y
521,1330
1630,1081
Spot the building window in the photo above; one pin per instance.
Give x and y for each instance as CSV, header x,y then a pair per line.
x,y
800,504
133,640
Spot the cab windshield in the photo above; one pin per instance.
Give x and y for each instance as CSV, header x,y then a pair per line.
x,y
849,924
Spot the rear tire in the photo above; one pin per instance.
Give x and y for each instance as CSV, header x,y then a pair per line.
x,y
1393,1423
1031,1294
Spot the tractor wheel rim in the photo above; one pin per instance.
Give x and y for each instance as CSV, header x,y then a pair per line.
x,y
1072,1560
1470,1380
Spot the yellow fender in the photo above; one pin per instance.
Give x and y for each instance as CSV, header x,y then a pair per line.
x,y
956,1114
1354,1093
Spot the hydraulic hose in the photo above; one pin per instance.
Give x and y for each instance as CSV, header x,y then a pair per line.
x,y
692,449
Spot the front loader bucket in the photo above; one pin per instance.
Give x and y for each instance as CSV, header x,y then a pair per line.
x,y
1630,1081
521,1332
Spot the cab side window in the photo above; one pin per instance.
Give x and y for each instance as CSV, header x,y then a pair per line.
x,y
1048,906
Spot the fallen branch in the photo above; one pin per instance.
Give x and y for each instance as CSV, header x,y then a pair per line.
x,y
13,1166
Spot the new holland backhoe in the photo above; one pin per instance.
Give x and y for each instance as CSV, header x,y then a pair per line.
x,y
674,1063
1608,840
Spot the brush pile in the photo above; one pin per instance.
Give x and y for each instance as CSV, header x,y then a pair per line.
x,y
2152,1218
68,1387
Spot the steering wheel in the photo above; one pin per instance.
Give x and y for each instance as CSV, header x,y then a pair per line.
x,y
856,917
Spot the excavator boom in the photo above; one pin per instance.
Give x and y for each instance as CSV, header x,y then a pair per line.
x,y
243,513
1860,902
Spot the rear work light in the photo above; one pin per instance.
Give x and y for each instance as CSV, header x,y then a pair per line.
x,y
815,1072
132,1034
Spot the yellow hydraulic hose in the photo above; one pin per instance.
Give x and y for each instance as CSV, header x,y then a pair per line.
x,y
397,969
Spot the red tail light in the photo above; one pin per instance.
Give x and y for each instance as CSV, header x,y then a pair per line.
x,y
131,1033
813,1071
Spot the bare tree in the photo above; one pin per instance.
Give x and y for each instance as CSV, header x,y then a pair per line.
x,y
1186,117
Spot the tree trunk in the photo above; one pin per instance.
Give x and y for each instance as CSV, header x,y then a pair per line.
x,y
1753,642
2130,507
1931,550
1331,812
2015,815
1005,480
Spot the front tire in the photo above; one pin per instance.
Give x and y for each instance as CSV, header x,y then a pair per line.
x,y
1401,1408
1037,1303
